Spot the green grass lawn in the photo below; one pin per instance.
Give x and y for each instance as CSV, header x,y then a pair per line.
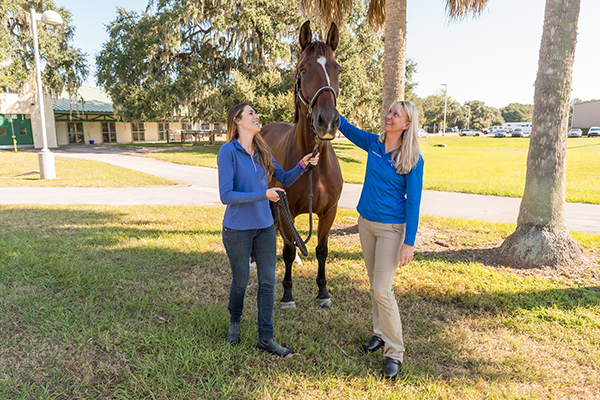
x,y
482,165
131,302
71,172
497,166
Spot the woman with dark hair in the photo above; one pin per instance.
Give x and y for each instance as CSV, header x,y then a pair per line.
x,y
388,218
245,167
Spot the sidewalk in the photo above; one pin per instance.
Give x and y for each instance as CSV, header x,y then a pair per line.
x,y
200,186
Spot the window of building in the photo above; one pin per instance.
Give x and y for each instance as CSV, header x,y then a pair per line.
x,y
75,130
109,132
138,131
162,130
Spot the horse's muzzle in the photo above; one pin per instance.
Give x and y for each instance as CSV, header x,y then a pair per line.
x,y
326,124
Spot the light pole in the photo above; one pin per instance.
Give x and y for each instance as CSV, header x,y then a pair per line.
x,y
469,117
45,157
445,106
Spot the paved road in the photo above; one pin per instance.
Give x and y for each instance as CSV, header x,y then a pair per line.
x,y
198,185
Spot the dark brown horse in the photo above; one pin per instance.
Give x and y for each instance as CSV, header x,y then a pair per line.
x,y
316,121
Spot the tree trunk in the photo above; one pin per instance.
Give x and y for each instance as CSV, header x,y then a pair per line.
x,y
541,237
394,63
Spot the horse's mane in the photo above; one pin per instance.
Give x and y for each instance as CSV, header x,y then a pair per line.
x,y
314,48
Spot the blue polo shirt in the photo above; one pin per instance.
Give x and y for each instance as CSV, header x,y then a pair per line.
x,y
243,185
387,196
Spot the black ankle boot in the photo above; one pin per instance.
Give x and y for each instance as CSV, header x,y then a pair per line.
x,y
374,344
391,368
233,333
270,346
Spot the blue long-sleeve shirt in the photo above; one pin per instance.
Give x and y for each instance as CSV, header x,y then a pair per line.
x,y
387,196
243,185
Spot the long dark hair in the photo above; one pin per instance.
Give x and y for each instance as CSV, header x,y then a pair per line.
x,y
264,157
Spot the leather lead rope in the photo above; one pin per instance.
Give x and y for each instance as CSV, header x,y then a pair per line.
x,y
282,207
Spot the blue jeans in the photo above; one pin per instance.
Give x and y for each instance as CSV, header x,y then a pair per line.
x,y
238,245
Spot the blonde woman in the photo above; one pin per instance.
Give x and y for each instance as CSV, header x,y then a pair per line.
x,y
245,167
389,216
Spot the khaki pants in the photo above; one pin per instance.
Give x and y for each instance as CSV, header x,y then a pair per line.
x,y
381,245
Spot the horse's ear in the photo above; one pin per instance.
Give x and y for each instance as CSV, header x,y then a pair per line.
x,y
305,35
333,36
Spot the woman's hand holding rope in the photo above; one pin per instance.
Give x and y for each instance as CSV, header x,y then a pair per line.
x,y
310,159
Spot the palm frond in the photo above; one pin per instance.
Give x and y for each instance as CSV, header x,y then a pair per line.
x,y
325,11
459,9
376,14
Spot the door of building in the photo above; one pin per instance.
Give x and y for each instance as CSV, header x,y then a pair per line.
x,y
17,125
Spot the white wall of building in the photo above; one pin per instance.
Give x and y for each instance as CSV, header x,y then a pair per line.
x,y
28,104
586,114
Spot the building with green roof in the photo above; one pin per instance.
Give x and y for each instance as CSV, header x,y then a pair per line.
x,y
89,119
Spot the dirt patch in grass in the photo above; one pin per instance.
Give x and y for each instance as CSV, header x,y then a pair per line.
x,y
463,245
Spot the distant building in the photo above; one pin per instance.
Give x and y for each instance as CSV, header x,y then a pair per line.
x,y
20,119
91,120
586,114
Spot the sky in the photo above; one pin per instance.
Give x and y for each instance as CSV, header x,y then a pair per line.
x,y
492,58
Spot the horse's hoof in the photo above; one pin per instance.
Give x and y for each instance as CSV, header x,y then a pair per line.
x,y
324,303
289,305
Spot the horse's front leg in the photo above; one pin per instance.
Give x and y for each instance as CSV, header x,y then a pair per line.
x,y
325,223
289,254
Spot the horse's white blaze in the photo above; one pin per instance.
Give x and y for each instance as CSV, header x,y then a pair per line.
x,y
322,60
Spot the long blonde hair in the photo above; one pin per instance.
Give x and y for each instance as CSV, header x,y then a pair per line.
x,y
264,157
407,155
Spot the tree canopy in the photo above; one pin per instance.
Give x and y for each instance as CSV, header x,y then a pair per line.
x,y
483,116
516,112
194,60
64,66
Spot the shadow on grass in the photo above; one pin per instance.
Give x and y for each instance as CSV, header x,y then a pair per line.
x,y
349,159
83,290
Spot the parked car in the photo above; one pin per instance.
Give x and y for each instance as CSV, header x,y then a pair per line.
x,y
423,133
517,132
491,129
468,132
500,133
452,129
594,131
575,132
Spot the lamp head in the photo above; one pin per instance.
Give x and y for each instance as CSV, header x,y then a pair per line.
x,y
52,18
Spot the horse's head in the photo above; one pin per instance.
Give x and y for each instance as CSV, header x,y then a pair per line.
x,y
317,85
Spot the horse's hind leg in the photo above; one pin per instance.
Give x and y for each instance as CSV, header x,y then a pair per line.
x,y
325,223
289,254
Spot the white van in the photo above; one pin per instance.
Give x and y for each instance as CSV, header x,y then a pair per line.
x,y
510,126
491,129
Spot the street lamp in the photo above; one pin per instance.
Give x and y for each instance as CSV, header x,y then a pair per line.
x,y
445,106
45,157
469,117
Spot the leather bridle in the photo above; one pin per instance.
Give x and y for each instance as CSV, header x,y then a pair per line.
x,y
309,106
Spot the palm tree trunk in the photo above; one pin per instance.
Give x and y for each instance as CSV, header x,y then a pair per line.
x,y
394,63
541,237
